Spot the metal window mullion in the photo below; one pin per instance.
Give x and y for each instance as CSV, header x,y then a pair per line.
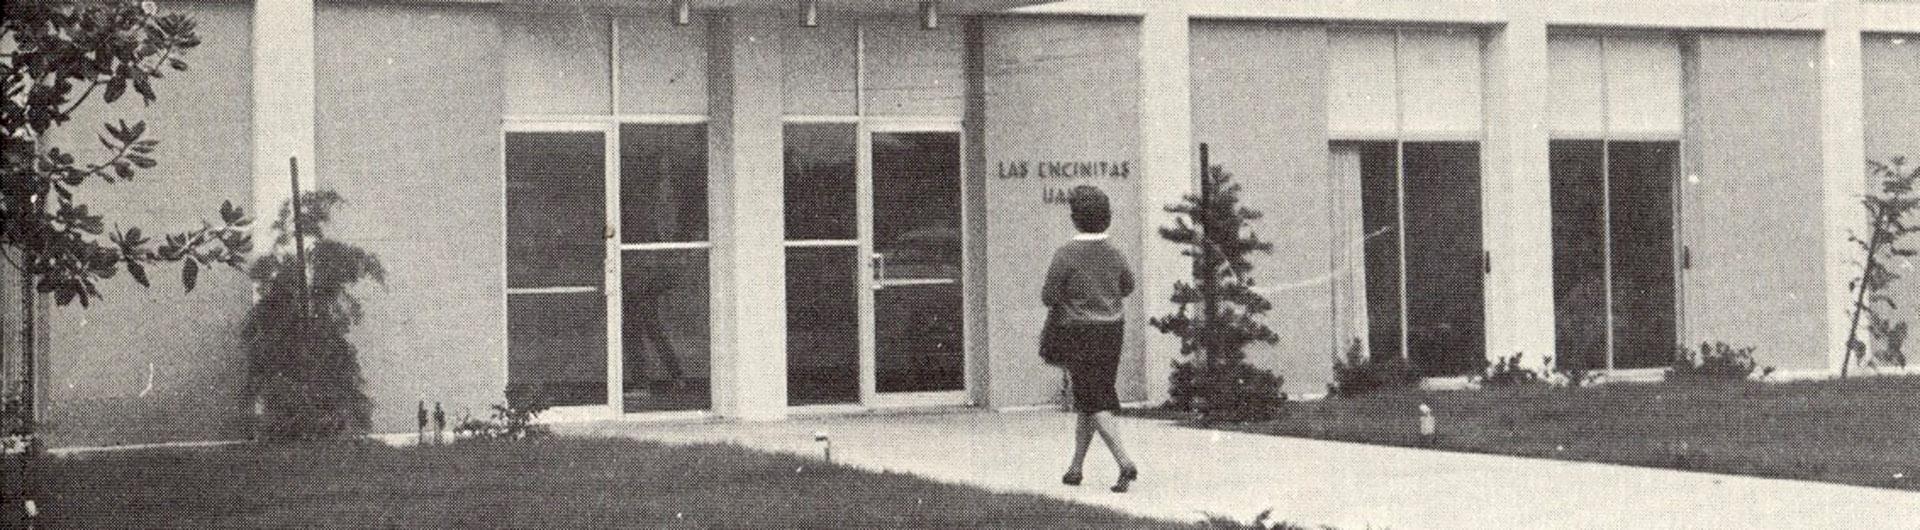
x,y
1400,189
1606,196
611,237
613,65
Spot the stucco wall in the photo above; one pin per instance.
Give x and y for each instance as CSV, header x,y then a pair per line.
x,y
1057,90
408,124
150,365
1263,116
1752,197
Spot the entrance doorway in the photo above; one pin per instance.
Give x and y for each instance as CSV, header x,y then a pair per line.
x,y
606,236
1614,259
875,293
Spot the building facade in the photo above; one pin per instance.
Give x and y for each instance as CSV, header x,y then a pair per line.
x,y
760,209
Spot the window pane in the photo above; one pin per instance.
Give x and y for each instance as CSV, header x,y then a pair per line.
x,y
557,346
823,325
663,66
1444,261
819,69
664,330
821,186
556,201
1380,218
1641,178
663,183
1360,84
914,72
916,204
1578,109
556,63
1579,255
1440,81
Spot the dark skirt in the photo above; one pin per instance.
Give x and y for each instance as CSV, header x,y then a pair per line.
x,y
1091,355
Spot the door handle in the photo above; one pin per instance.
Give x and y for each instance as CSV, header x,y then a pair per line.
x,y
1686,257
1486,261
879,271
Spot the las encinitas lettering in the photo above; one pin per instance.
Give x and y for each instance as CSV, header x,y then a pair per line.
x,y
1063,169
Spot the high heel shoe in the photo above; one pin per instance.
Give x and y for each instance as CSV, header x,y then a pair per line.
x,y
1071,478
1127,476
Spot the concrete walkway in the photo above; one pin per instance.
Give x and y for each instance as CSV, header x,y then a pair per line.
x,y
1187,473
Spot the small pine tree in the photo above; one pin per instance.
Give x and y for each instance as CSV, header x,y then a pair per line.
x,y
1219,312
301,367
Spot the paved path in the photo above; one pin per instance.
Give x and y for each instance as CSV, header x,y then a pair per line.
x,y
1189,472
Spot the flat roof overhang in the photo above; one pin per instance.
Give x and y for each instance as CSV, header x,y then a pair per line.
x,y
946,7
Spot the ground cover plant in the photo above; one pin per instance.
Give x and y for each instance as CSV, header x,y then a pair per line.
x,y
1783,430
553,483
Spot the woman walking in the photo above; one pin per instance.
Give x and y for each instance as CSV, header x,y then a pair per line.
x,y
1087,284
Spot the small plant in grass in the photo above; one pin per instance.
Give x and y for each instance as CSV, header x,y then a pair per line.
x,y
1359,373
300,367
1219,312
1887,211
1512,372
510,422
1264,521
1715,361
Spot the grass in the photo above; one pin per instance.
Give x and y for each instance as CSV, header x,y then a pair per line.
x,y
1863,431
561,483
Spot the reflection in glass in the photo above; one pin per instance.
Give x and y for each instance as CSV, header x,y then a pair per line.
x,y
664,329
1445,316
823,326
1641,179
556,186
821,185
557,346
916,225
1579,254
663,183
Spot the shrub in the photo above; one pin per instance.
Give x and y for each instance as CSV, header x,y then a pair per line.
x,y
1715,361
1264,521
1359,374
511,422
1227,393
1219,310
1512,372
301,368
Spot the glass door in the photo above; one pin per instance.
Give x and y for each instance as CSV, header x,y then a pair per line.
x,y
916,353
557,236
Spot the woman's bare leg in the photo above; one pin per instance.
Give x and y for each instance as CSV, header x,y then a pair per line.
x,y
1103,422
1084,427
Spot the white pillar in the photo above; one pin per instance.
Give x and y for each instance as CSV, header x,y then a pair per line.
x,y
1167,173
1518,217
1843,154
283,105
748,264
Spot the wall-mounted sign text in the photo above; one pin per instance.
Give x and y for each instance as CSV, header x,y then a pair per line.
x,y
1062,169
1057,170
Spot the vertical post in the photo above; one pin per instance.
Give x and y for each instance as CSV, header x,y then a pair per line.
x,y
1166,174
1519,300
1204,264
299,239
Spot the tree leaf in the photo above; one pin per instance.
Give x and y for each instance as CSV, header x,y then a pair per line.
x,y
138,272
189,274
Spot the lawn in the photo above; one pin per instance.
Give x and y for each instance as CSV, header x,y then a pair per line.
x,y
1862,431
562,483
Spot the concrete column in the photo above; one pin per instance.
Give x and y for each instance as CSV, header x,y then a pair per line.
x,y
283,106
1167,173
745,198
1843,155
1518,226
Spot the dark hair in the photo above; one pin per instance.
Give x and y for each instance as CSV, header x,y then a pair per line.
x,y
1090,211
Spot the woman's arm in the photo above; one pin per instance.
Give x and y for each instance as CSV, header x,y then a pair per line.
x,y
1054,292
